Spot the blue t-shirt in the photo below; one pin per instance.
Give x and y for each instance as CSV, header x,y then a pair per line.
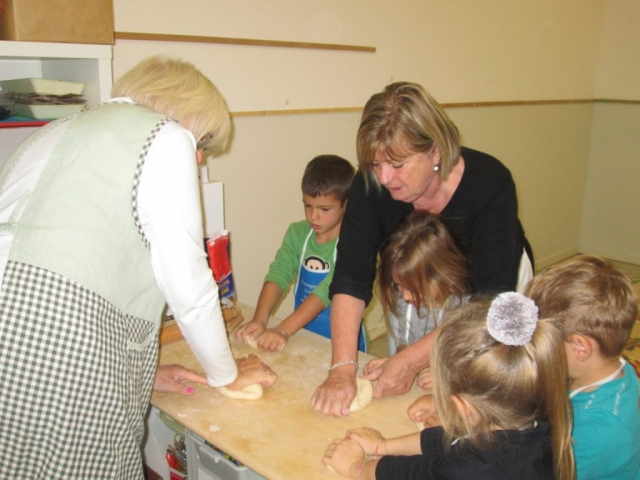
x,y
606,430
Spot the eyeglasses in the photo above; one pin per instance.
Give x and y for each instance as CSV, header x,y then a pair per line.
x,y
202,144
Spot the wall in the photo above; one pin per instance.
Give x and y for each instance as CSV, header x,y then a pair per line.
x,y
610,225
462,51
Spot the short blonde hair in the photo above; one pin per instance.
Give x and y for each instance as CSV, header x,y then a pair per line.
x,y
179,90
510,387
589,297
402,120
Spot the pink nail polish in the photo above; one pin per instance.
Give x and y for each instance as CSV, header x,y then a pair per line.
x,y
190,390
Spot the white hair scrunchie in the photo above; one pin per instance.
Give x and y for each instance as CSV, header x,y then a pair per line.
x,y
512,318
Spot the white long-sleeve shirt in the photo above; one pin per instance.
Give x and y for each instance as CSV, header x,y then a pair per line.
x,y
170,212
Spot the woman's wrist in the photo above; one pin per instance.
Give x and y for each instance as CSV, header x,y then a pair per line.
x,y
345,365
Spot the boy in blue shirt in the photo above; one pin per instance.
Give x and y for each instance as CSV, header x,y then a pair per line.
x,y
306,258
597,307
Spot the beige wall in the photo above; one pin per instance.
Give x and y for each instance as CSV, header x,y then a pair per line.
x,y
610,224
463,51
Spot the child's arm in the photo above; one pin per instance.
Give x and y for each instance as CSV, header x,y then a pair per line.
x,y
348,457
269,296
373,443
274,339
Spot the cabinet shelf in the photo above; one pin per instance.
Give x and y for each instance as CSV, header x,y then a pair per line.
x,y
17,122
89,64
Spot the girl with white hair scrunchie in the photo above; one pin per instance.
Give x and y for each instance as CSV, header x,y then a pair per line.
x,y
500,380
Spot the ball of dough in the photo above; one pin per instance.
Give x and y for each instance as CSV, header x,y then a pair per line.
x,y
250,392
252,342
363,396
420,426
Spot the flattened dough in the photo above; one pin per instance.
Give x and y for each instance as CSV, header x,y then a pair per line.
x,y
364,395
250,392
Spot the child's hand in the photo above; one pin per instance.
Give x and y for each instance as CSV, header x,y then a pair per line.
x,y
273,339
253,329
423,409
344,456
425,380
369,439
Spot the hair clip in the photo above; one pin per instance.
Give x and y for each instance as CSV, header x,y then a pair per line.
x,y
512,318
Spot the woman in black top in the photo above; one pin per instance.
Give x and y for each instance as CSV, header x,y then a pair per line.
x,y
410,158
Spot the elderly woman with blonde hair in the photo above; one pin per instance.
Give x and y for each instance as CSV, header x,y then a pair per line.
x,y
102,226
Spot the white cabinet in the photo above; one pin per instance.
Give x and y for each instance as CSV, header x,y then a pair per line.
x,y
89,64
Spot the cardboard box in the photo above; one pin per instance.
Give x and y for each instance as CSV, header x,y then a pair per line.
x,y
63,21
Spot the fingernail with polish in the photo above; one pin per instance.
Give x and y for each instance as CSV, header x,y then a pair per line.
x,y
190,390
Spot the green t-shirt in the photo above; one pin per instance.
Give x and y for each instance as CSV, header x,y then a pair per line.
x,y
286,266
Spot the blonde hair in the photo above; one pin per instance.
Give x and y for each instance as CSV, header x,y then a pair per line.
x,y
402,120
421,254
510,387
589,297
177,89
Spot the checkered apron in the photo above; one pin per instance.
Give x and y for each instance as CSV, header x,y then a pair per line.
x,y
76,375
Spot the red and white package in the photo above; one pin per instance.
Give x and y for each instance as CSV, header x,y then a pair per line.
x,y
219,260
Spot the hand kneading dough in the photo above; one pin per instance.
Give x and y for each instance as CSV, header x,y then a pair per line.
x,y
251,392
251,342
364,395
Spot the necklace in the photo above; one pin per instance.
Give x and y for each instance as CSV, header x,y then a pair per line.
x,y
600,382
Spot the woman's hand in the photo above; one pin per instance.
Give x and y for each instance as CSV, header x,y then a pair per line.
x,y
253,329
425,380
344,456
252,370
423,409
273,339
173,379
374,366
336,393
369,439
394,376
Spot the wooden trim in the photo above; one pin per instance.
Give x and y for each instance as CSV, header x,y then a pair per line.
x,y
611,100
296,111
161,37
514,103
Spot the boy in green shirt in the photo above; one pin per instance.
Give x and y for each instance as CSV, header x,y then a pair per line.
x,y
306,257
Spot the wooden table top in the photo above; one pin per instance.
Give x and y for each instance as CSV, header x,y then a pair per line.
x,y
280,436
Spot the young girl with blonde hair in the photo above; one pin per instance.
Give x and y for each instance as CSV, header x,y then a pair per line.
x,y
421,274
500,380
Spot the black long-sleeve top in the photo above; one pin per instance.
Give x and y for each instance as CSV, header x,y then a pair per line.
x,y
482,216
513,454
